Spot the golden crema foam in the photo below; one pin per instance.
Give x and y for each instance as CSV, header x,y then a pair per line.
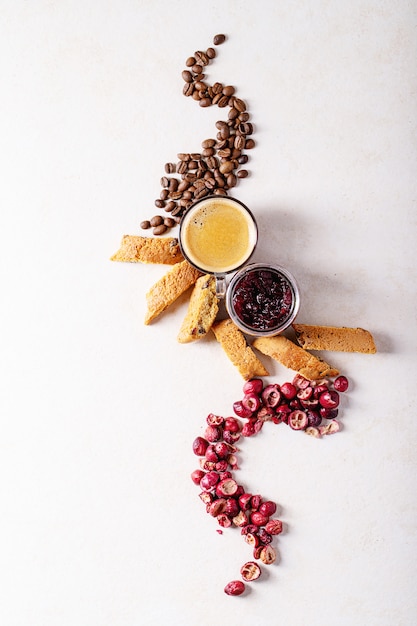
x,y
218,235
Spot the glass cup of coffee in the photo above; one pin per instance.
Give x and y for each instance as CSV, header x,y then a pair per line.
x,y
218,235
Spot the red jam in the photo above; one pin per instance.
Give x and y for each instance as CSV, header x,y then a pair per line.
x,y
263,299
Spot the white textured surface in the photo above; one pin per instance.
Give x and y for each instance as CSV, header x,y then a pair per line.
x,y
100,523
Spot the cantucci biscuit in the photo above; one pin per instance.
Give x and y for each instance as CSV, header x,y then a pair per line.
x,y
202,310
235,346
334,338
295,358
136,249
164,292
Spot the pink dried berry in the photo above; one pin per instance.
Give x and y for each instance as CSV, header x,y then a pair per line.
x,y
234,588
254,385
268,555
250,571
214,420
226,487
298,420
274,527
251,402
271,395
200,446
240,410
288,390
329,399
197,475
267,508
232,424
341,383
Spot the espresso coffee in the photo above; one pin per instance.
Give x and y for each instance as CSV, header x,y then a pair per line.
x,y
218,234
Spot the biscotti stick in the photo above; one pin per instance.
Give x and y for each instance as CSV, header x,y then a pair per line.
x,y
164,292
202,310
234,344
334,338
295,358
136,249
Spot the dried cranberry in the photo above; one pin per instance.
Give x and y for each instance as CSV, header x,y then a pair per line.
x,y
234,588
200,446
341,383
240,410
255,385
288,390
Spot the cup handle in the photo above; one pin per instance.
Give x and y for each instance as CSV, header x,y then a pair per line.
x,y
220,285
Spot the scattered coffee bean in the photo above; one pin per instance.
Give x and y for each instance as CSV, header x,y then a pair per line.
x,y
169,222
159,230
156,220
145,224
219,39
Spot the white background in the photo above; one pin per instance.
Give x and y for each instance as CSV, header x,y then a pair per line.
x,y
100,524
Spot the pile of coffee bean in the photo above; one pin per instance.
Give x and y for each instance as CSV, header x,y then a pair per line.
x,y
217,168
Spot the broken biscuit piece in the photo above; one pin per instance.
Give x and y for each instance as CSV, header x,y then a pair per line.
x,y
338,339
235,346
202,310
164,292
295,358
136,249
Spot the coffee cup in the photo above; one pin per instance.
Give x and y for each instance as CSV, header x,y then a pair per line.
x,y
218,235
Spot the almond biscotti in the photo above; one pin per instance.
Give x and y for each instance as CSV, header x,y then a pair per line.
x,y
235,346
342,339
295,358
136,249
202,310
164,292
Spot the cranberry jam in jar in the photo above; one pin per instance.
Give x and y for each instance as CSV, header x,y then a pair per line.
x,y
262,299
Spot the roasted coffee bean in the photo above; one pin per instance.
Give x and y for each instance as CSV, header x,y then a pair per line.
x,y
245,128
196,95
210,183
221,143
219,39
208,152
177,211
211,53
169,222
220,192
208,143
164,181
239,142
170,206
243,159
195,156
216,98
203,191
226,167
156,220
220,182
231,180
243,117
160,230
173,184
228,90
239,104
249,144
188,89
182,167
184,156
187,76
159,204
200,86
184,184
190,176
145,224
235,154
192,165
212,162
201,57
224,132
233,114
197,68
224,153
164,194
169,168
242,173
175,195
187,195
223,102
218,88
190,62
205,102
